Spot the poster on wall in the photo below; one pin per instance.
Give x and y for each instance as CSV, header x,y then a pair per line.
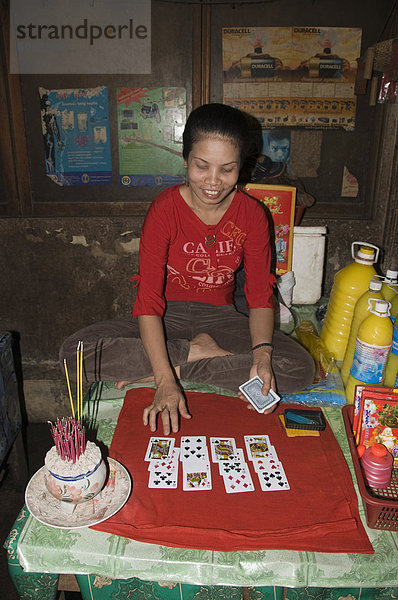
x,y
150,127
292,76
281,202
75,126
276,145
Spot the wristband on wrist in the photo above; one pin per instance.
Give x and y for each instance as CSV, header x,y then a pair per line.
x,y
264,344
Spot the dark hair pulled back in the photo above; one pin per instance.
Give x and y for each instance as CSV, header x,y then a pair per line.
x,y
218,120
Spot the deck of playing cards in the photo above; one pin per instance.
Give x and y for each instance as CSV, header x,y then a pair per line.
x,y
164,459
252,391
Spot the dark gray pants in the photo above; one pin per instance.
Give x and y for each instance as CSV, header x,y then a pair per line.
x,y
113,350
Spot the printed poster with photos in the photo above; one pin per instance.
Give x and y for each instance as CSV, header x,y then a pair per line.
x,y
281,202
292,76
75,126
150,126
276,145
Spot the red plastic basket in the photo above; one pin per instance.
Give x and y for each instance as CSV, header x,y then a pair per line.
x,y
381,505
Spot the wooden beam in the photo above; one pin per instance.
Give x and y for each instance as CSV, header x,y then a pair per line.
x,y
201,55
90,209
21,201
206,57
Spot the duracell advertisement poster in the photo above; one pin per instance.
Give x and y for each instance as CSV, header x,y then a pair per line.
x,y
292,76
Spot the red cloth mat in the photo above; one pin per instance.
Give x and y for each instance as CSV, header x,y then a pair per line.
x,y
318,514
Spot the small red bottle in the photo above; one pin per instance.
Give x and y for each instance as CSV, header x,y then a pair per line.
x,y
376,463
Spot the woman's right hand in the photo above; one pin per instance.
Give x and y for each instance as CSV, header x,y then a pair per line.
x,y
169,400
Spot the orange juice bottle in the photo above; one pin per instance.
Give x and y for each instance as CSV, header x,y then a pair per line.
x,y
349,284
361,310
390,285
391,375
371,350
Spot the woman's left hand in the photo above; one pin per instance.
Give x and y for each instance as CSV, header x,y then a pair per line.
x,y
263,368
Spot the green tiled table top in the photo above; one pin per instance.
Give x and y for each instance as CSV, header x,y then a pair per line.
x,y
45,549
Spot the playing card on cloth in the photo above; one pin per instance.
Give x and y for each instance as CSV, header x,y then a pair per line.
x,y
264,462
241,482
237,478
238,456
258,445
159,447
194,447
163,480
196,475
234,463
222,448
166,464
273,478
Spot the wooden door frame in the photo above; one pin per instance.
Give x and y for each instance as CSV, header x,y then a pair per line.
x,y
13,147
201,59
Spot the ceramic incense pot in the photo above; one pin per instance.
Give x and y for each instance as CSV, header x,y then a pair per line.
x,y
74,489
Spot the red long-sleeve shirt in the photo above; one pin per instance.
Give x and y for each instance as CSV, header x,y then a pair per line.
x,y
176,263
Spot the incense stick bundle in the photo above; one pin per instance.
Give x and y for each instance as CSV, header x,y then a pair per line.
x,y
79,383
69,438
69,433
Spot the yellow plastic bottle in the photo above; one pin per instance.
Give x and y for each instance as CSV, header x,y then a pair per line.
x,y
391,375
361,310
390,285
349,284
394,308
371,350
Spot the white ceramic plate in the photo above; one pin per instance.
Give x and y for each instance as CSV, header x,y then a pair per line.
x,y
48,510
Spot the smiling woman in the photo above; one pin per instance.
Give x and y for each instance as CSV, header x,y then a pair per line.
x,y
212,172
194,238
215,143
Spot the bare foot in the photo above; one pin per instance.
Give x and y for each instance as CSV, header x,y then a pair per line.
x,y
121,384
203,346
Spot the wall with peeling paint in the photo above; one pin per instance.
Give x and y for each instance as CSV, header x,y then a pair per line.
x,y
61,274
58,275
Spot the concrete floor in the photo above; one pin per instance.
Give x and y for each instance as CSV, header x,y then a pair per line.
x,y
12,490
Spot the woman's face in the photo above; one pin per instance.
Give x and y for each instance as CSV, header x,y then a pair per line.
x,y
212,170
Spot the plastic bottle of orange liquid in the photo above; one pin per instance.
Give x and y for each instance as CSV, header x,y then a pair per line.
x,y
390,285
372,347
391,375
349,284
361,310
